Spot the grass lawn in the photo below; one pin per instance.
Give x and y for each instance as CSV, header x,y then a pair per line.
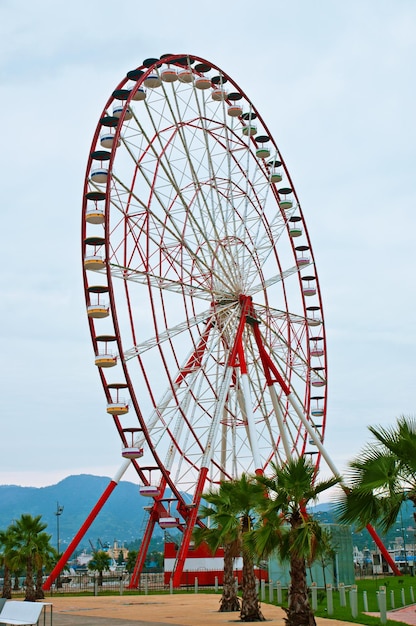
x,y
395,588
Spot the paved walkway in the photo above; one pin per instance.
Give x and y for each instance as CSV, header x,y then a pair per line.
x,y
152,610
406,614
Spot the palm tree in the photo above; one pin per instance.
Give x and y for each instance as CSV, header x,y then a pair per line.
x,y
100,563
30,548
234,515
221,531
46,556
382,477
7,554
288,529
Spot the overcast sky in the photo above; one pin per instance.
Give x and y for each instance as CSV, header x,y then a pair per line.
x,y
335,84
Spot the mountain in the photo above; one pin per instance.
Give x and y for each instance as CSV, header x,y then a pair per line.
x,y
122,516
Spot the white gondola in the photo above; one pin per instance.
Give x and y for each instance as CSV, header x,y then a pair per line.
x,y
132,452
316,381
95,216
169,75
185,76
152,81
99,175
263,152
117,408
235,110
250,130
107,140
275,177
202,82
94,262
105,360
98,311
118,110
150,491
317,351
218,95
168,522
139,95
314,321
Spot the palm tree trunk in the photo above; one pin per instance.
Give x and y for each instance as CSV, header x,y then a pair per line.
x,y
7,583
30,594
39,580
229,599
299,612
250,607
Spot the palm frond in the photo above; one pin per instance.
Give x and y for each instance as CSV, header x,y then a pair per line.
x,y
357,507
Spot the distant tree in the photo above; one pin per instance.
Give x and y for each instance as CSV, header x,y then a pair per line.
x,y
155,558
100,563
131,560
327,552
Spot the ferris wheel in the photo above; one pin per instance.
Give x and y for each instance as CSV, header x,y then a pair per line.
x,y
202,294
201,288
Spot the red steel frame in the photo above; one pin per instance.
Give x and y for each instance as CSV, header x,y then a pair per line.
x,y
236,360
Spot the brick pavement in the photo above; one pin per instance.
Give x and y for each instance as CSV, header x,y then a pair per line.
x,y
406,614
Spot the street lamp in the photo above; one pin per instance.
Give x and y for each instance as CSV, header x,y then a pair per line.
x,y
58,513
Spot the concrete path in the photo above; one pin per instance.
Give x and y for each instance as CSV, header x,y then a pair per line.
x,y
153,610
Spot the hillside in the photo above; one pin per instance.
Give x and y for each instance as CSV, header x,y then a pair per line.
x,y
121,518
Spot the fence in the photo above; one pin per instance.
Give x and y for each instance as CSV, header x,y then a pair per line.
x,y
110,583
351,597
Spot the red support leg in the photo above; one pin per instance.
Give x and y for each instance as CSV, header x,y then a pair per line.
x,y
187,535
141,556
383,550
74,543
